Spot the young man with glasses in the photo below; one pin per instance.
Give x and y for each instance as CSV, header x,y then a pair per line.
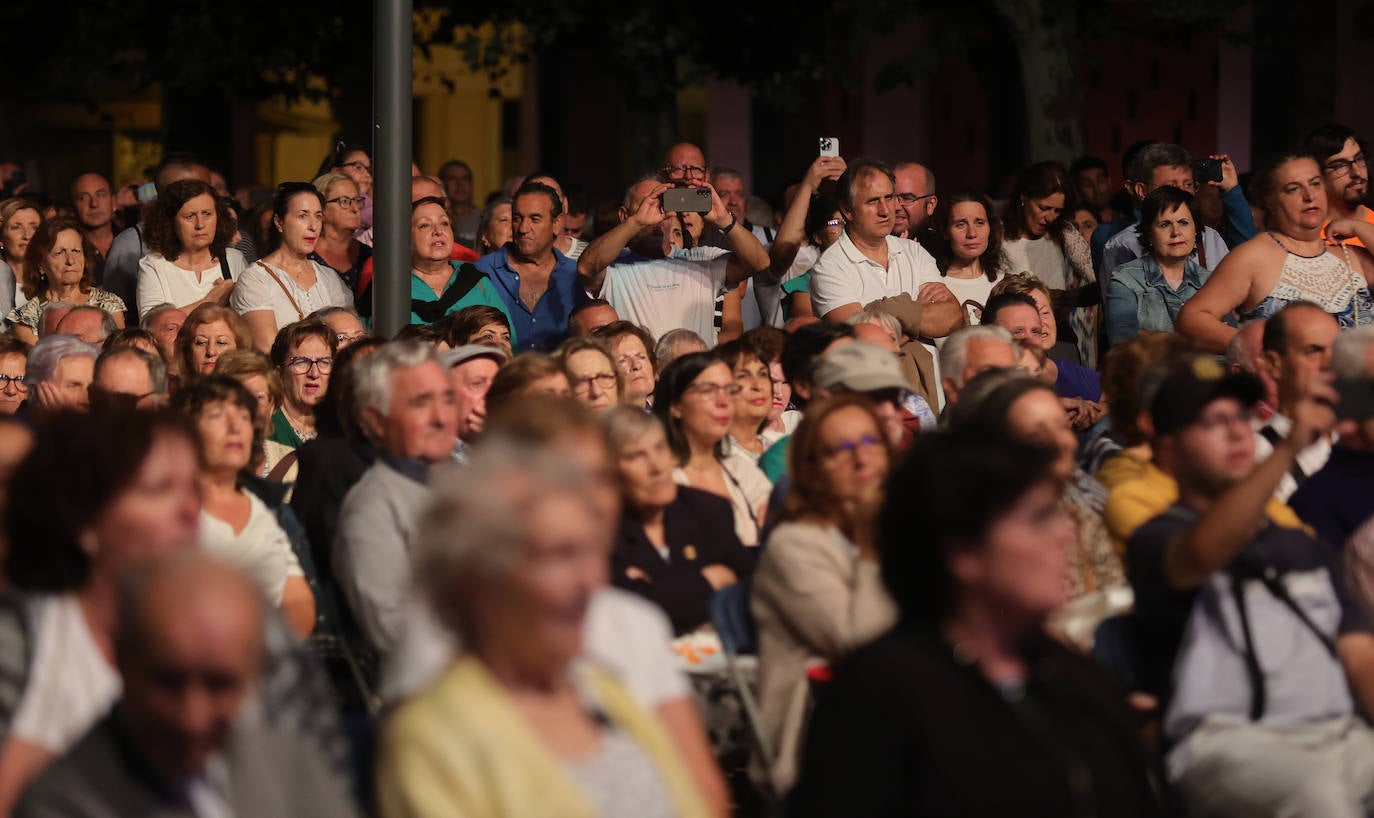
x,y
1345,173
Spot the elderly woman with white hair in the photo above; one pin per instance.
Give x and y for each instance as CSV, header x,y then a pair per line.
x,y
510,555
60,371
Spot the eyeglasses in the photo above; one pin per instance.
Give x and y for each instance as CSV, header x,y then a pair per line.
x,y
605,382
912,198
686,171
1341,167
850,447
17,380
346,202
301,366
711,391
358,165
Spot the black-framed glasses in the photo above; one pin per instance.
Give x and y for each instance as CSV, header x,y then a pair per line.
x,y
346,202
685,171
1341,167
358,164
301,365
912,198
17,380
605,382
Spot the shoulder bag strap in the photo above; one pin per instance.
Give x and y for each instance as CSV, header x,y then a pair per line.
x,y
224,267
278,473
284,290
1295,471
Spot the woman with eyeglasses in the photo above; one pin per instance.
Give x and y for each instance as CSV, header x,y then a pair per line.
x,y
817,591
188,230
970,257
286,285
337,247
14,363
356,164
754,400
440,286
695,400
591,372
303,354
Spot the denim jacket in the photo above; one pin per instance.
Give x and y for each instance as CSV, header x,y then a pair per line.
x,y
1139,299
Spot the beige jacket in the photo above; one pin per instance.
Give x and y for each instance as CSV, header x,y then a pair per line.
x,y
814,600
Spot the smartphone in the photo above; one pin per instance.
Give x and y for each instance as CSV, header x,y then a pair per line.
x,y
1356,399
687,200
1206,170
830,146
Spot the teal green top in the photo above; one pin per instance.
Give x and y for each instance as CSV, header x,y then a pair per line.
x,y
800,284
282,432
484,293
773,461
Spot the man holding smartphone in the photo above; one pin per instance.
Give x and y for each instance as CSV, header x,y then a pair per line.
x,y
629,267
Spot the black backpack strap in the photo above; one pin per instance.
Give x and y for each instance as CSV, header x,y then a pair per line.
x,y
1268,433
468,278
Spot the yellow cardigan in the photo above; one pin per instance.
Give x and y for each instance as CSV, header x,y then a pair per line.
x,y
460,750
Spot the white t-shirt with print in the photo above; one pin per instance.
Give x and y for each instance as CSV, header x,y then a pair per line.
x,y
665,294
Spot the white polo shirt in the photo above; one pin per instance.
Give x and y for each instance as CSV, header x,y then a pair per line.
x,y
843,275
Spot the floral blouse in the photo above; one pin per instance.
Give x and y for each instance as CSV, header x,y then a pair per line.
x,y
32,312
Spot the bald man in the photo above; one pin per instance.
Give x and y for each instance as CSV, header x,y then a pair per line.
x,y
91,324
186,738
916,200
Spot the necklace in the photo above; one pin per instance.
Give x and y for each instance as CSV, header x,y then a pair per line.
x,y
297,426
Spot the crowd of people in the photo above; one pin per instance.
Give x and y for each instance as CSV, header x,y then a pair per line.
x,y
1054,503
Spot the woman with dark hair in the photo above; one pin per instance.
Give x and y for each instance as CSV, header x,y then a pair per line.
x,y
632,349
285,286
356,163
133,497
209,332
477,324
676,545
695,400
591,371
1009,721
753,402
1010,407
59,264
1039,240
969,257
303,354
1292,260
189,262
440,286
256,374
817,593
338,246
235,524
527,375
1146,294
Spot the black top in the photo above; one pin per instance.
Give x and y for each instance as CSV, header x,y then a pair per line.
x,y
328,468
700,530
906,730
1339,498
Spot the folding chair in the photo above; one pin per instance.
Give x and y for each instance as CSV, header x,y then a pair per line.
x,y
735,625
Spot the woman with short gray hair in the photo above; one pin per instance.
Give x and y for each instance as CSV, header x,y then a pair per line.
x,y
509,555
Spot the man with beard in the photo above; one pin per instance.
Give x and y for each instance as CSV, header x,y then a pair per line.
x,y
1340,154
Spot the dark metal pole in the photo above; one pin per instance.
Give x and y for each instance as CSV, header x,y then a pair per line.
x,y
392,77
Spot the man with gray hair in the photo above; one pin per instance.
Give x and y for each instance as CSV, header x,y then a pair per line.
x,y
1244,353
674,345
184,740
164,322
60,371
91,324
132,373
1339,498
972,350
51,314
405,405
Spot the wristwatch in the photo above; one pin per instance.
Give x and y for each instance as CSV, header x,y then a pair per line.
x,y
734,220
